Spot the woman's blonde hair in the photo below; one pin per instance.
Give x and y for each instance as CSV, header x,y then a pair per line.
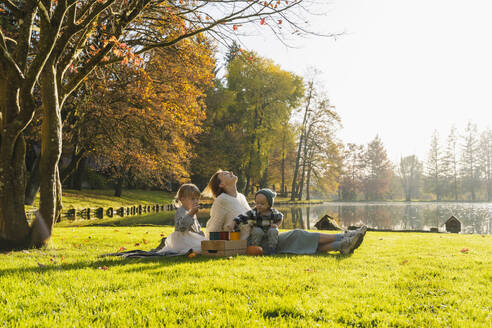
x,y
213,189
186,190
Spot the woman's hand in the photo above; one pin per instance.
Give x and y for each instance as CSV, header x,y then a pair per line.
x,y
230,226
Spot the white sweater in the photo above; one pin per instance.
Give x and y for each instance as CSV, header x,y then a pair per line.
x,y
224,209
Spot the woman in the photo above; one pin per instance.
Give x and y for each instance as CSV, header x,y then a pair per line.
x,y
229,203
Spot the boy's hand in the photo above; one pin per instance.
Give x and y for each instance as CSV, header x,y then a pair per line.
x,y
274,226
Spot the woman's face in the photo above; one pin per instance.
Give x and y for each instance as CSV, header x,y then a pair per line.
x,y
227,178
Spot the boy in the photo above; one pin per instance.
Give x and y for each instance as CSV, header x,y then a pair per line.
x,y
264,220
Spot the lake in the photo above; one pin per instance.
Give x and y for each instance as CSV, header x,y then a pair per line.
x,y
475,217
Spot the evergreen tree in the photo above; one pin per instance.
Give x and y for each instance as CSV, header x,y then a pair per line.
x,y
378,171
486,162
434,168
470,160
451,165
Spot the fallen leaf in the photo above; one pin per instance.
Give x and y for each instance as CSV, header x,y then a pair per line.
x,y
309,270
404,262
464,250
103,268
63,258
191,255
116,230
144,241
137,244
162,234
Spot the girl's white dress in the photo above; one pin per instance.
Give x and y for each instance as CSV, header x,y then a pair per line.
x,y
187,235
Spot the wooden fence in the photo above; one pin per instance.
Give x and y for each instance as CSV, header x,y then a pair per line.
x,y
109,212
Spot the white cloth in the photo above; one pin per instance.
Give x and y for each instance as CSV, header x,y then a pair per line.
x,y
187,235
224,209
180,242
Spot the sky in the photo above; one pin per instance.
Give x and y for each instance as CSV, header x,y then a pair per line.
x,y
401,70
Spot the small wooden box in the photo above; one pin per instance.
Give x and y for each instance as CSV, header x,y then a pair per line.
x,y
223,247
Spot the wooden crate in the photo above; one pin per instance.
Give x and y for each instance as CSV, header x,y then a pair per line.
x,y
223,247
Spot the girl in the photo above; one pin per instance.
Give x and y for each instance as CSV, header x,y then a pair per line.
x,y
188,234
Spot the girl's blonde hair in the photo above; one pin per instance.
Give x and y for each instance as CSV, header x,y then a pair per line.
x,y
213,189
186,190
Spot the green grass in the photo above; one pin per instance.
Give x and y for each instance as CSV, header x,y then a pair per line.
x,y
105,198
392,280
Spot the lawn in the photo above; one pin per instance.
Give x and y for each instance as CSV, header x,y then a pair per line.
x,y
393,279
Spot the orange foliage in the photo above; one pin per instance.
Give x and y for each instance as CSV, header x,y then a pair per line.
x,y
145,118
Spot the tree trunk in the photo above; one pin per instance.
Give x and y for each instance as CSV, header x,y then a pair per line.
x,y
264,177
282,171
14,229
51,147
118,187
301,140
301,183
246,186
33,183
73,166
308,195
79,173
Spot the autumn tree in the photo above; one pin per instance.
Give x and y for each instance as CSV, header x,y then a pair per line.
x,y
410,171
147,118
305,110
282,157
323,161
320,125
266,95
58,44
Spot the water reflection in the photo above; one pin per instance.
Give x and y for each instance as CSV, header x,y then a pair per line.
x,y
475,217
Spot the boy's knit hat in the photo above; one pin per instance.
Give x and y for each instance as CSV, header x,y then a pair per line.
x,y
269,194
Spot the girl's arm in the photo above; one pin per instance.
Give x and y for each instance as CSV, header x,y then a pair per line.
x,y
183,220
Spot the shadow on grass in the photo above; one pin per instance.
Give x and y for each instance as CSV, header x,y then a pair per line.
x,y
108,262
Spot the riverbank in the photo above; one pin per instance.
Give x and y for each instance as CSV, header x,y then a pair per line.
x,y
393,279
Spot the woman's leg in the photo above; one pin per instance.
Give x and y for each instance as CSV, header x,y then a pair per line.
x,y
329,242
